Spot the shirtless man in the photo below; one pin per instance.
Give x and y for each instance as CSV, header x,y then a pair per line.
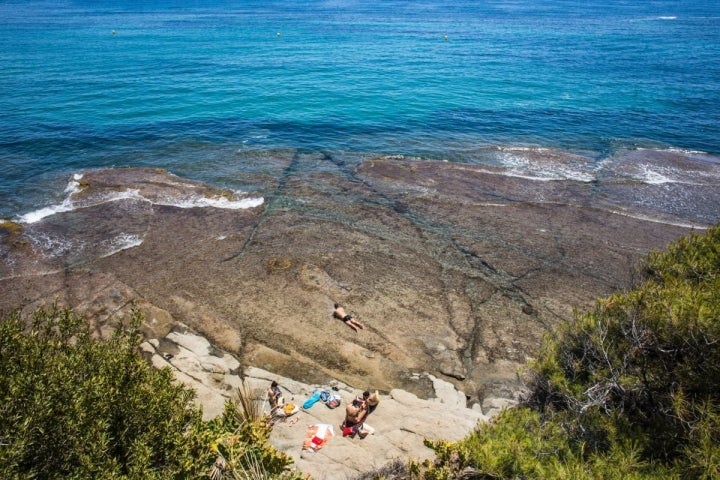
x,y
355,416
345,317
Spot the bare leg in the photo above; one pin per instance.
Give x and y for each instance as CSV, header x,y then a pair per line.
x,y
366,430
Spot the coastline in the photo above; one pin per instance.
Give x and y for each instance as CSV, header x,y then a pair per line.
x,y
455,269
462,177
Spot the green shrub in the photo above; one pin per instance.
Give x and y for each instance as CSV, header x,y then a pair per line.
x,y
75,407
630,389
644,364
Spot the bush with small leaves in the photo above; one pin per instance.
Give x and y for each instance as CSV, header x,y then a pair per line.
x,y
71,406
75,407
628,390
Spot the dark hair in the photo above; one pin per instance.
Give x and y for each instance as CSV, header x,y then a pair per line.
x,y
337,305
273,384
366,394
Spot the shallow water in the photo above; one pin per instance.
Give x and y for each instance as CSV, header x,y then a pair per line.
x,y
198,88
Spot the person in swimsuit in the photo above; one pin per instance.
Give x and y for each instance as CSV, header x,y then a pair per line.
x,y
275,396
355,419
371,400
347,318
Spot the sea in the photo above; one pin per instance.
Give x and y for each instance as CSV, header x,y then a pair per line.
x,y
191,86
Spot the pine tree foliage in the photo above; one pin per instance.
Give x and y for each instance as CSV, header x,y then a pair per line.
x,y
74,407
630,389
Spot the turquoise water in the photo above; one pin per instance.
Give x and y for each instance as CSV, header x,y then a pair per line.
x,y
186,85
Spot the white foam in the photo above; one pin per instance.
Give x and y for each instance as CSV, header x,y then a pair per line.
x,y
667,17
53,247
218,202
685,151
72,188
121,242
550,177
68,205
653,177
193,201
681,151
522,167
73,185
38,215
515,148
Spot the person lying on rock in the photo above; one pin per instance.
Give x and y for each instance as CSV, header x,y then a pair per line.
x,y
345,317
355,420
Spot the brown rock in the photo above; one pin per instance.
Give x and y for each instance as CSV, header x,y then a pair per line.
x,y
453,269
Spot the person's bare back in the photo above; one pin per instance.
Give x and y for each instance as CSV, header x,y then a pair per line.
x,y
355,415
341,314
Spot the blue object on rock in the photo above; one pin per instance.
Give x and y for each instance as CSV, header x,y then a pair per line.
x,y
312,400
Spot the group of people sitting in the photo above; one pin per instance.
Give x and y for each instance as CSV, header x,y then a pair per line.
x,y
357,411
356,414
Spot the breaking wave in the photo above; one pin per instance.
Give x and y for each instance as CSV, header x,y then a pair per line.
x,y
183,200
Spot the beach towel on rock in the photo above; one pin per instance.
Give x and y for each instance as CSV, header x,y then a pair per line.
x,y
317,436
312,400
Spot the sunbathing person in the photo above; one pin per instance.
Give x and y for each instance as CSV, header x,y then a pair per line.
x,y
371,400
355,419
345,317
275,396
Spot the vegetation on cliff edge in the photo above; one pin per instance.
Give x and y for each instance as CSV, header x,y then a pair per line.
x,y
74,407
629,390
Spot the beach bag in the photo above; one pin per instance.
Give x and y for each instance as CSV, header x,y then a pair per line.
x,y
324,396
333,401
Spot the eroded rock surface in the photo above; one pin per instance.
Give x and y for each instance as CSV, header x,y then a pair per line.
x,y
402,421
456,270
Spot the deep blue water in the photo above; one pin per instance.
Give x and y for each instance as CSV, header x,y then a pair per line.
x,y
185,85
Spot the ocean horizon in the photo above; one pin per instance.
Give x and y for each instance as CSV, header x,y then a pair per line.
x,y
581,91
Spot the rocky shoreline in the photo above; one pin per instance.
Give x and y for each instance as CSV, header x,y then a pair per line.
x,y
402,420
456,270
